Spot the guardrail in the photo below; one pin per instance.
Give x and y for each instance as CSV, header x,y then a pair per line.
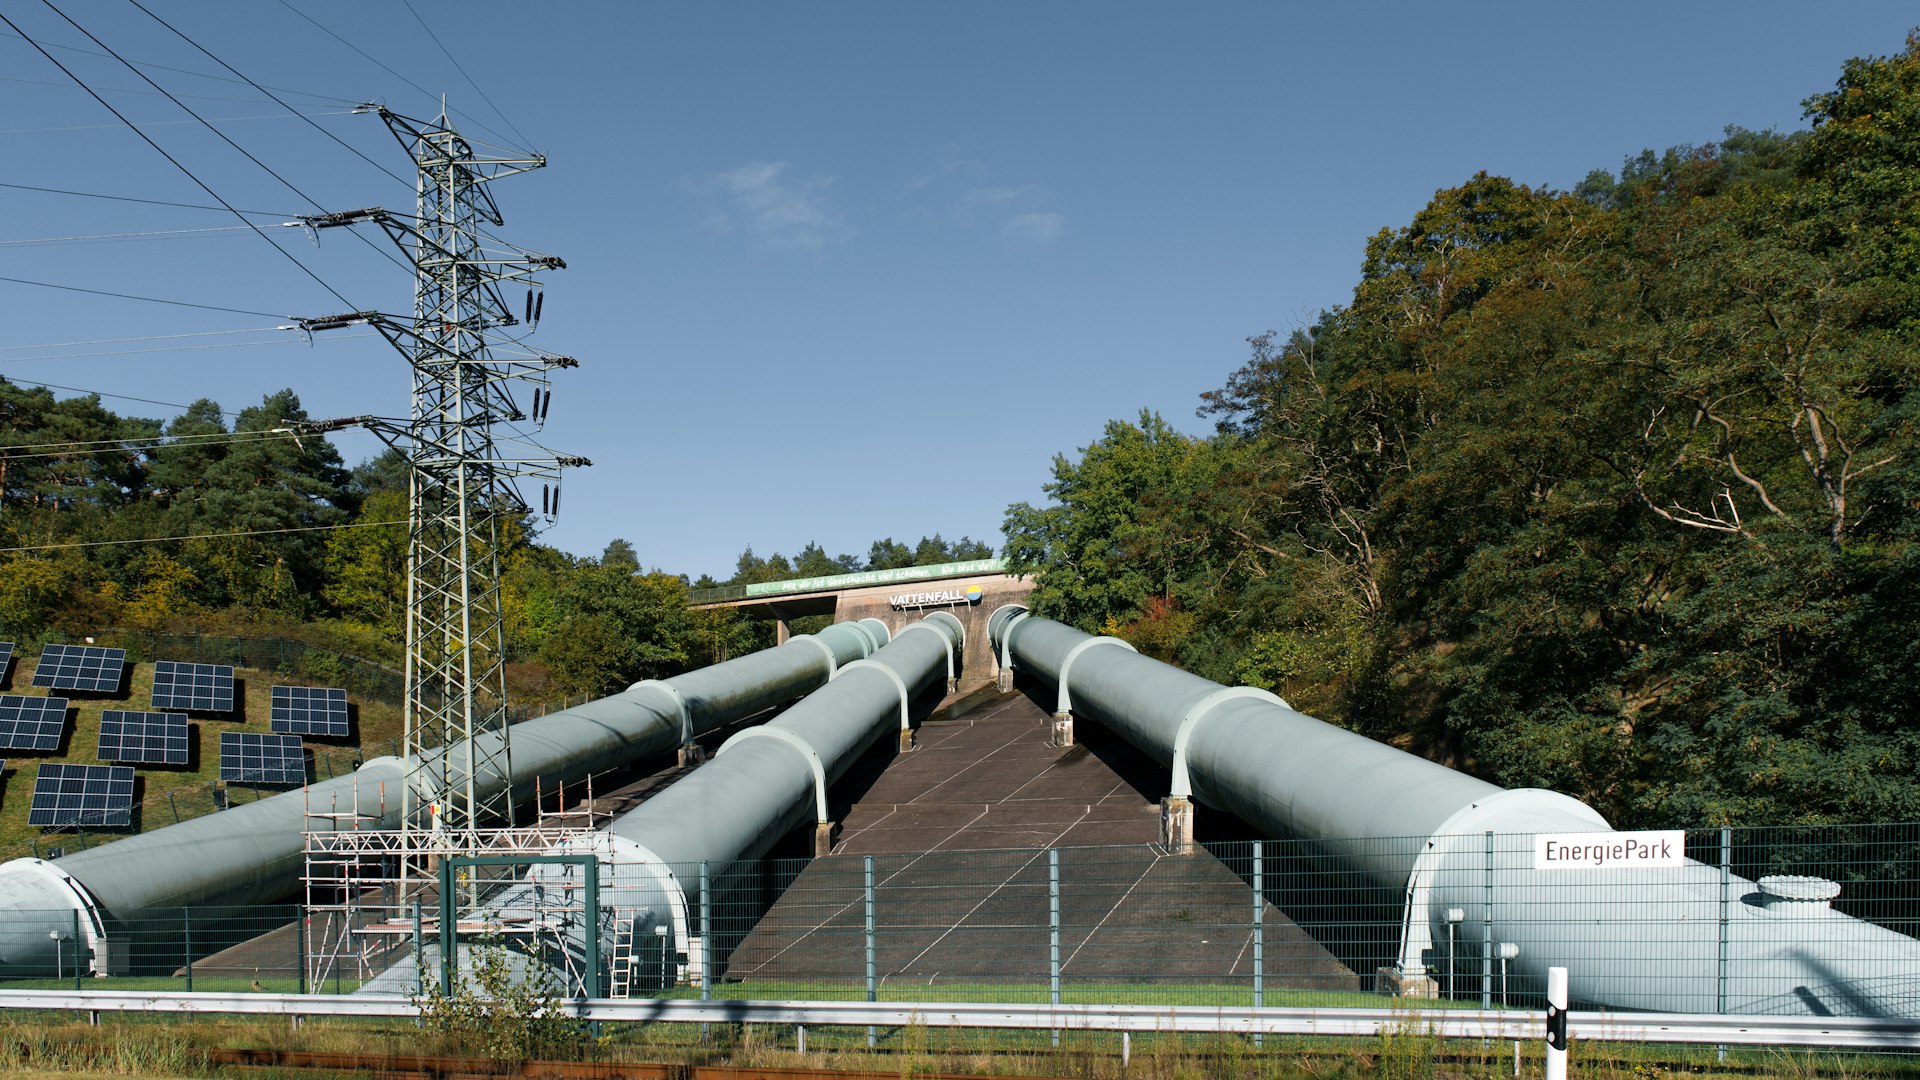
x,y
1825,1032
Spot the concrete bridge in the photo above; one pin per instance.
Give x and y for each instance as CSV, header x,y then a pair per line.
x,y
971,590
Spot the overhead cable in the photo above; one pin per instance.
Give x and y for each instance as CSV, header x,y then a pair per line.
x,y
161,150
150,202
524,141
148,299
183,71
205,536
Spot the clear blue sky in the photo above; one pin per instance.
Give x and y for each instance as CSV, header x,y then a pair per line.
x,y
837,271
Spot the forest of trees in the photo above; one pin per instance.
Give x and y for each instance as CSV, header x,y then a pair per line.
x,y
321,549
1614,490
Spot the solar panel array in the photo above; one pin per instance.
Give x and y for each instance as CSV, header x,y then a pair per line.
x,y
32,723
6,656
251,758
70,795
80,667
199,687
309,710
148,738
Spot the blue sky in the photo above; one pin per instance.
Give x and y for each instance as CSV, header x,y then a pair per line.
x,y
837,271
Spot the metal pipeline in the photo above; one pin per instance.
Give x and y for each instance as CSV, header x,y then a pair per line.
x,y
764,782
1691,938
252,854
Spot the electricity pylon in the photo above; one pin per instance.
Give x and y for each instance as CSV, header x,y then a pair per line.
x,y
465,457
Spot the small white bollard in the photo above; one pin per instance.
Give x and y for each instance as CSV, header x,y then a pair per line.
x,y
1556,1023
1126,1049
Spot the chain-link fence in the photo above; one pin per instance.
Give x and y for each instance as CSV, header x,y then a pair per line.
x,y
280,655
1806,920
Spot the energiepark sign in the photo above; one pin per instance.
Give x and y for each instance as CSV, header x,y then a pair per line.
x,y
937,598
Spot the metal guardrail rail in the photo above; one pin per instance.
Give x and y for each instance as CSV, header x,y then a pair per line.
x,y
1794,1031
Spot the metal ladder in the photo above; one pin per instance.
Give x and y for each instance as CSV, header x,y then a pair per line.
x,y
620,967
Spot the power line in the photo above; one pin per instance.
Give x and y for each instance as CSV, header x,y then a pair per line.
x,y
175,348
384,251
524,141
165,123
150,202
183,71
204,536
144,337
430,94
150,235
148,299
149,443
162,151
103,393
203,50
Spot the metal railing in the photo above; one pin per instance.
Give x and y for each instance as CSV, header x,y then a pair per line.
x,y
1667,1028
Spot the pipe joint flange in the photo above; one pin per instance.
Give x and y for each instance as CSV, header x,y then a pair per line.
x,y
898,684
1066,667
679,705
793,739
945,641
833,662
1182,781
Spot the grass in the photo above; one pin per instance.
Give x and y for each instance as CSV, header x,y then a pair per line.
x,y
166,1046
191,789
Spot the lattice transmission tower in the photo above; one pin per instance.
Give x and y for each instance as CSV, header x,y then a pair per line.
x,y
467,453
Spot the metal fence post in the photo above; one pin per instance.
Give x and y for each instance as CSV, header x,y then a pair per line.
x,y
1727,892
1053,931
706,932
1259,932
76,949
1486,933
186,943
300,946
419,951
872,987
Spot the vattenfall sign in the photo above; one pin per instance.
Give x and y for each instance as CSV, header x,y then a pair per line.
x,y
937,598
1609,850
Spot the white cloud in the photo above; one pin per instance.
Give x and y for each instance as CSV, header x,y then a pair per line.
x,y
1036,228
783,211
989,198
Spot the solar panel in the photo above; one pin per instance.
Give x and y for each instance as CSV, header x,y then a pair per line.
x,y
32,723
199,687
6,656
250,758
149,738
309,710
80,667
68,795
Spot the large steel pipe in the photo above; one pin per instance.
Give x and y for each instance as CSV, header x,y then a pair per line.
x,y
1689,938
764,783
253,853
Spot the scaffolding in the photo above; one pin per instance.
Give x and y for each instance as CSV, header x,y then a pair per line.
x,y
370,909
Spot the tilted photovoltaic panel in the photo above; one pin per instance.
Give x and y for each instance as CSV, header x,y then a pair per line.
x,y
80,667
250,758
149,738
32,723
198,687
67,795
6,656
309,710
